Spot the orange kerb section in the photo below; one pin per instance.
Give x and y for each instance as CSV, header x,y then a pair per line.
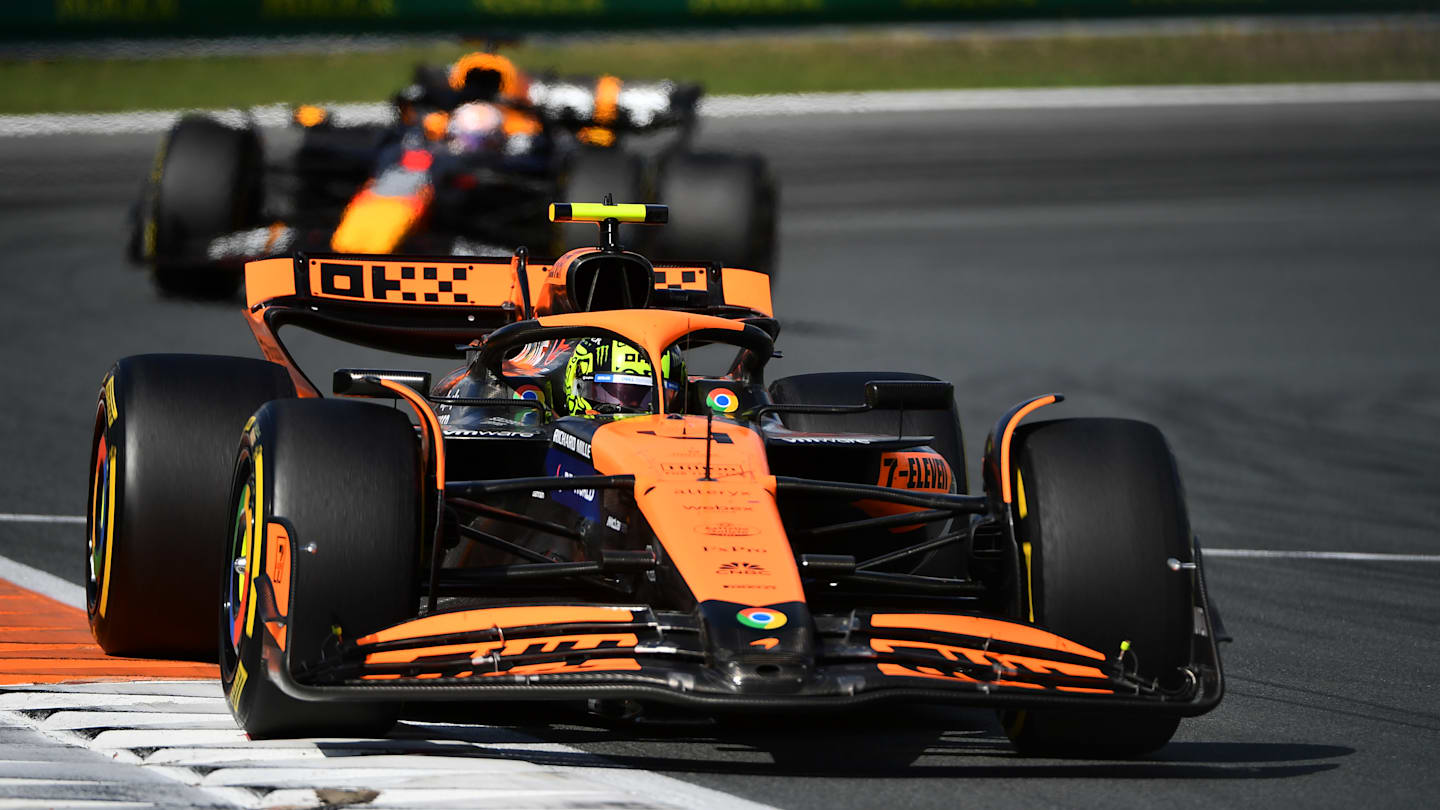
x,y
983,628
45,641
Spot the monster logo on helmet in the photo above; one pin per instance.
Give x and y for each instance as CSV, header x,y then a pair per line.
x,y
611,376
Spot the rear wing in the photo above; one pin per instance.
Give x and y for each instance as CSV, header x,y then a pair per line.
x,y
433,306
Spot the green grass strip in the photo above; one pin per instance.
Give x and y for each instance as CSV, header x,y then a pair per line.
x,y
746,64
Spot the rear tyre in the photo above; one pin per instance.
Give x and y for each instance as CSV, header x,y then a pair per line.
x,y
722,208
1100,509
209,185
591,174
326,497
160,461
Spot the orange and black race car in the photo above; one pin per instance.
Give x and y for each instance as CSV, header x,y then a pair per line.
x,y
466,163
606,502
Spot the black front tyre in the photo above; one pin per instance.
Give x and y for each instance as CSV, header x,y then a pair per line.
x,y
209,185
1099,510
325,532
160,462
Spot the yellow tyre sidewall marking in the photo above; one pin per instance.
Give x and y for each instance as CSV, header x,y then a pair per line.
x,y
237,685
1025,547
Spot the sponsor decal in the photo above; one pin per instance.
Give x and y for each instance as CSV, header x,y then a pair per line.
x,y
111,411
728,549
396,282
722,401
613,524
696,492
717,507
583,500
573,443
587,494
681,279
748,587
697,469
469,433
529,392
824,440
926,471
741,568
761,618
727,530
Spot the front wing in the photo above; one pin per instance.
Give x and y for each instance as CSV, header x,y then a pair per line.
x,y
569,651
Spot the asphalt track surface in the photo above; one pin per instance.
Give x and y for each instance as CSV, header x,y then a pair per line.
x,y
1259,282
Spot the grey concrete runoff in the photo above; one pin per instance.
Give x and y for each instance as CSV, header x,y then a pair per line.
x,y
1259,281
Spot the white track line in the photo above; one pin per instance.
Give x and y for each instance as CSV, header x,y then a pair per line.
x,y
1361,556
1067,98
20,517
788,104
43,582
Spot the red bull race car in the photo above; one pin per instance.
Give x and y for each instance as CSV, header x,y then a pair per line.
x,y
607,502
465,163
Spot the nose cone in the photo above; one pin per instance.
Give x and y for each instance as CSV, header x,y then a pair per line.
x,y
759,650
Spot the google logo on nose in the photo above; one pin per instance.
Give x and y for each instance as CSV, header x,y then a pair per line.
x,y
761,618
722,401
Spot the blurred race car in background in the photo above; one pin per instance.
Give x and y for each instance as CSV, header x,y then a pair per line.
x,y
471,158
660,527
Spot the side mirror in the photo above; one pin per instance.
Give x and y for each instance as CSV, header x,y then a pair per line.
x,y
363,382
909,394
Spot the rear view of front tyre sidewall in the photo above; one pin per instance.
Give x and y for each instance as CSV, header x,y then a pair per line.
x,y
160,464
1099,510
325,510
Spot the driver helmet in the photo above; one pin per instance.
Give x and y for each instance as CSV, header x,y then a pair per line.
x,y
611,376
476,127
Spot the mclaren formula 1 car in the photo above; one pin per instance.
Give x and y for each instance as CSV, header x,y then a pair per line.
x,y
715,543
470,160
